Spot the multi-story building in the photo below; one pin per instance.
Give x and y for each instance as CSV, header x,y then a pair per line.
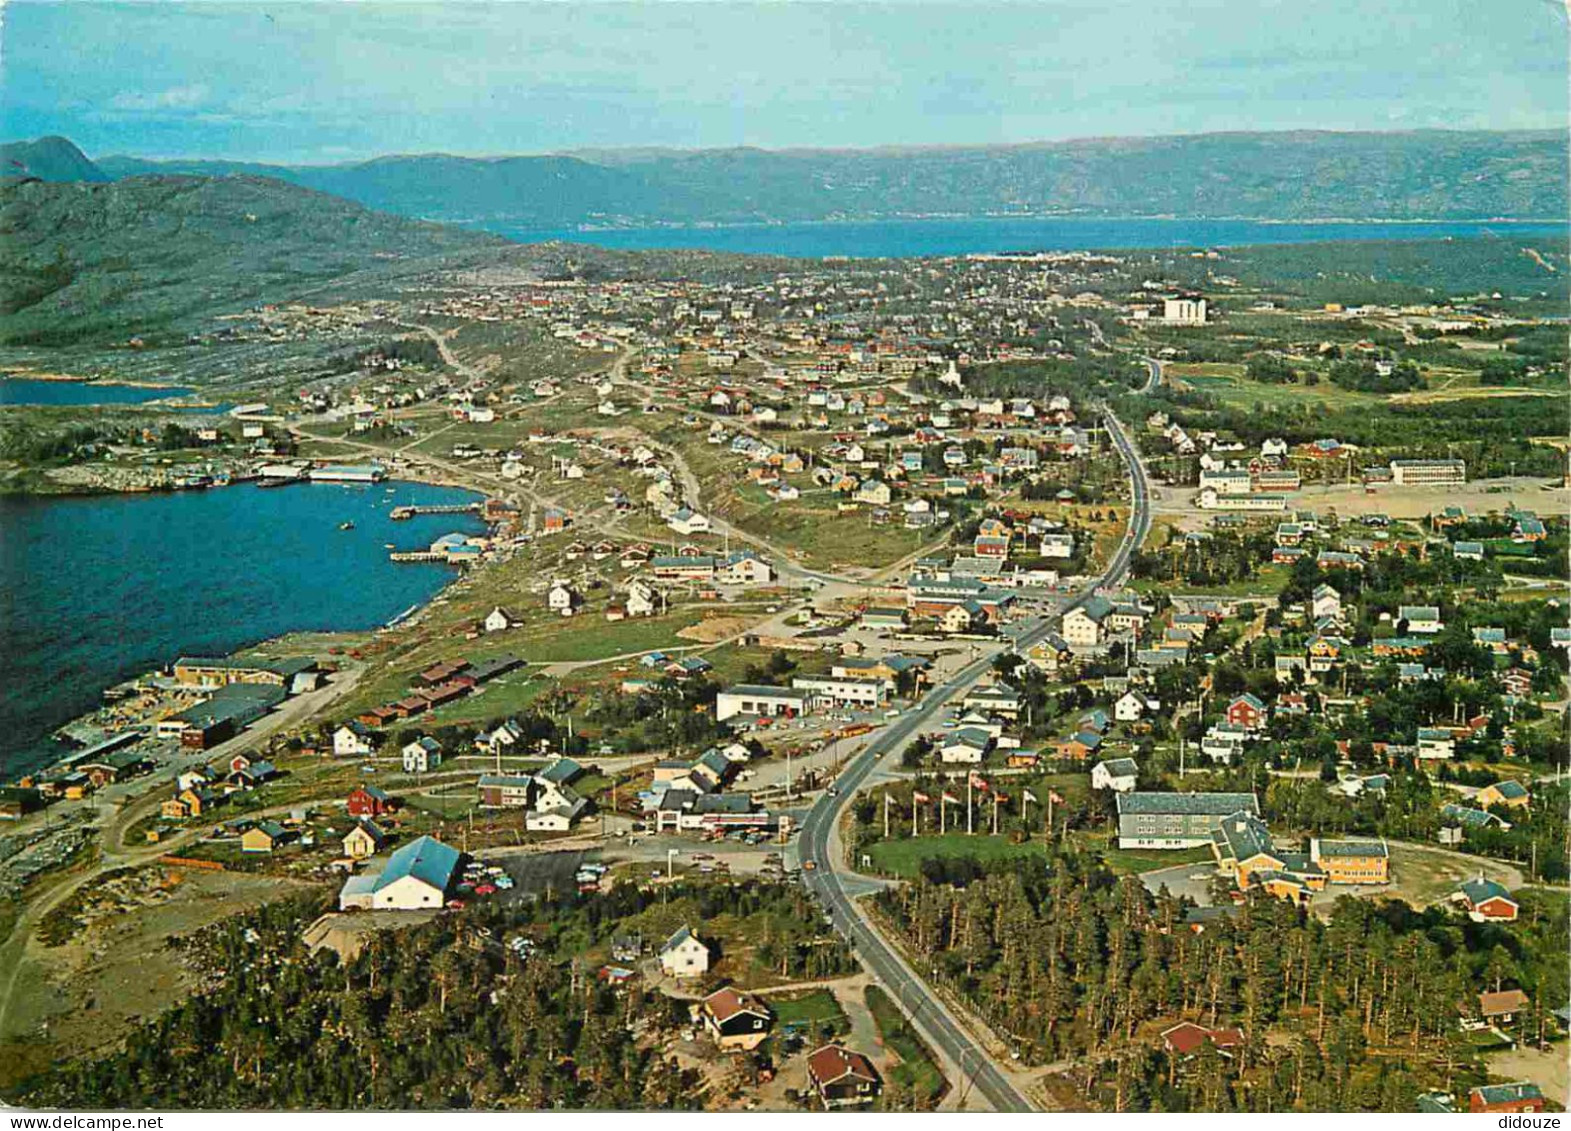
x,y
1352,861
1177,820
1427,472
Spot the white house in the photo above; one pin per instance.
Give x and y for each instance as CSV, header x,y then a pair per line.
x,y
997,699
1223,742
684,955
1325,602
1057,546
351,740
499,620
967,746
761,700
1116,774
688,521
422,755
562,599
1225,480
417,876
743,567
875,492
1436,744
1130,706
1420,618
1082,627
642,599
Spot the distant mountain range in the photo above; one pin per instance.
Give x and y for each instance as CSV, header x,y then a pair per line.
x,y
1274,176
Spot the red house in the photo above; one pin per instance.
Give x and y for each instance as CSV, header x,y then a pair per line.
x,y
1485,900
1247,711
368,801
1186,1038
1520,1096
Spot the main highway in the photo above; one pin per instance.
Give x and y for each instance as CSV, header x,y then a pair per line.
x,y
827,877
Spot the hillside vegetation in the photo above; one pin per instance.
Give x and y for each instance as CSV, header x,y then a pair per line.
x,y
1286,176
141,257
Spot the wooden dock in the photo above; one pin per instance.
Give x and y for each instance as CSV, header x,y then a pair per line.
x,y
410,511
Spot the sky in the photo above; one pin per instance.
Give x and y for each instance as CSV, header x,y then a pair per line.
x,y
310,81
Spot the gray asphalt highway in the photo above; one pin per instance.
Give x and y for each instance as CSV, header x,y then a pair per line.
x,y
826,880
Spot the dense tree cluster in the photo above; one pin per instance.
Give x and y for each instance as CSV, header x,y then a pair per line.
x,y
418,1020
441,1015
1357,1012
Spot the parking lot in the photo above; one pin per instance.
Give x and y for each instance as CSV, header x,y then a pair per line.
x,y
1192,880
537,872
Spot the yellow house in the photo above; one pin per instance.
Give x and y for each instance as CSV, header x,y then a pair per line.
x,y
363,840
1352,861
1510,793
263,837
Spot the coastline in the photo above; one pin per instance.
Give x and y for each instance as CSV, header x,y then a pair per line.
x,y
81,729
22,373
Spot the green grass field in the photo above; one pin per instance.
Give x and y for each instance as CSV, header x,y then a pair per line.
x,y
904,857
1267,581
1243,393
917,1070
811,1010
592,637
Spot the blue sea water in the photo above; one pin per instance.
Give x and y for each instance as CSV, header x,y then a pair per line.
x,y
899,239
95,590
29,391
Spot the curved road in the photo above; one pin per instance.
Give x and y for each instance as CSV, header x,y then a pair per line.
x,y
827,881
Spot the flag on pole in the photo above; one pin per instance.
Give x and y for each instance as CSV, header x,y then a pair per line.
x,y
888,800
979,781
1052,795
920,798
999,798
1029,796
950,799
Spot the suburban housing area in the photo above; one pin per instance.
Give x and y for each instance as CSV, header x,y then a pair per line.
x,y
1059,680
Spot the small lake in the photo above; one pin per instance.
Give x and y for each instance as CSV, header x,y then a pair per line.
x,y
95,590
899,239
31,391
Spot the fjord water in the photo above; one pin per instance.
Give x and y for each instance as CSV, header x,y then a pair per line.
x,y
902,239
94,590
31,391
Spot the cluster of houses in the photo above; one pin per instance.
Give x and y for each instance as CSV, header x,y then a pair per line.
x,y
739,1021
950,448
78,775
200,790
547,797
691,796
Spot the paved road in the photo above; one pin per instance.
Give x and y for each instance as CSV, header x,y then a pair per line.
x,y
835,888
1155,379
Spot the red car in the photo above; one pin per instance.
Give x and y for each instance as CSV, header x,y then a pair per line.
x,y
485,889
